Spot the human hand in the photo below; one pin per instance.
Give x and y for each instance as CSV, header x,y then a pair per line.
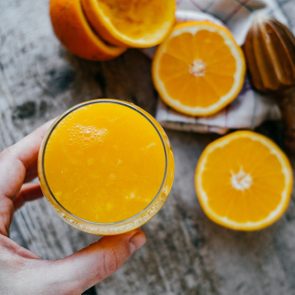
x,y
23,272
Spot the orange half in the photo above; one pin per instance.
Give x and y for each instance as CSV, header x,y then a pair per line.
x,y
244,181
131,23
71,27
199,69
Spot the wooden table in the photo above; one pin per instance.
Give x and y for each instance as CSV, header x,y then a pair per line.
x,y
186,253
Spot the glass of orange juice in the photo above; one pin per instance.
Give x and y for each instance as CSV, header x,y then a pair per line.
x,y
106,166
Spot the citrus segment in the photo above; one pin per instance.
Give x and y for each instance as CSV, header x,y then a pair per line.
x,y
199,69
243,181
131,23
73,30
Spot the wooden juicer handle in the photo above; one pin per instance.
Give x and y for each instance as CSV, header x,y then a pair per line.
x,y
287,106
270,54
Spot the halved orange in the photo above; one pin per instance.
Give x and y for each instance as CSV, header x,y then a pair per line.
x,y
244,181
131,23
199,68
71,27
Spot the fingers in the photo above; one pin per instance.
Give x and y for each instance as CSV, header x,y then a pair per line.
x,y
26,150
6,211
96,262
74,274
28,192
17,162
10,249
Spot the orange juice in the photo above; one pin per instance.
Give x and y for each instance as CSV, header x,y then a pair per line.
x,y
106,166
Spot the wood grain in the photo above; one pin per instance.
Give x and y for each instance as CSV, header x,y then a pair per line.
x,y
186,254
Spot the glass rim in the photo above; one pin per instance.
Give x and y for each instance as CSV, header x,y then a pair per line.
x,y
132,106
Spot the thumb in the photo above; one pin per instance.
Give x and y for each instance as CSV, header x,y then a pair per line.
x,y
94,263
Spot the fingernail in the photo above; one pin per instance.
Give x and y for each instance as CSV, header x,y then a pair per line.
x,y
137,241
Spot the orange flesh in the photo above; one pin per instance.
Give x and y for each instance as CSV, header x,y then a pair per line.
x,y
176,67
104,162
136,18
262,196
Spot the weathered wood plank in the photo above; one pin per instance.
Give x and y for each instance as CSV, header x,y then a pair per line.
x,y
186,253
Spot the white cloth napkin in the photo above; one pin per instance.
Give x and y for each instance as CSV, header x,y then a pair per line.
x,y
250,109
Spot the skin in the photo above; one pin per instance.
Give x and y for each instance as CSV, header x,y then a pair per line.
x,y
23,272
